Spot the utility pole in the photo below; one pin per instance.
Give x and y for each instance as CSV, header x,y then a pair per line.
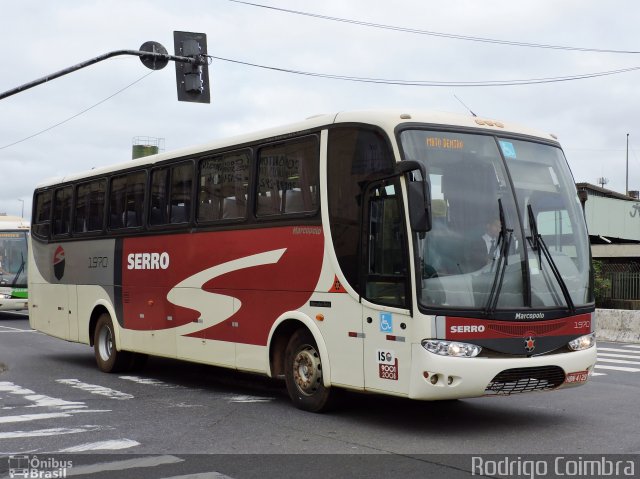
x,y
192,79
626,192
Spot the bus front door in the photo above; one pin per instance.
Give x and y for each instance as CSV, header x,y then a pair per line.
x,y
386,317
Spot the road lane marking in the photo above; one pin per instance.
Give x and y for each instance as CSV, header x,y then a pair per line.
x,y
617,368
612,355
146,381
248,399
40,400
18,330
202,475
617,350
32,417
123,465
112,445
618,361
151,382
11,388
95,389
56,431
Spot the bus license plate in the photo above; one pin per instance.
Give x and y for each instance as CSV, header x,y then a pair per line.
x,y
577,377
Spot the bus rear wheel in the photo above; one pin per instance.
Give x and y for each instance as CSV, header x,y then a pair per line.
x,y
108,358
303,374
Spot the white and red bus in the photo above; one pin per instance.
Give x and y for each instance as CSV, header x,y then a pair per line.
x,y
14,234
342,252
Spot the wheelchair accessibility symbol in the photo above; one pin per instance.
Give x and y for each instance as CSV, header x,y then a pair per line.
x,y
386,323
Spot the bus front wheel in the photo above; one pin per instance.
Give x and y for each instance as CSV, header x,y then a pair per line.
x,y
303,373
108,358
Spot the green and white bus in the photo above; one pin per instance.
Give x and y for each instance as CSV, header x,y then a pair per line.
x,y
14,234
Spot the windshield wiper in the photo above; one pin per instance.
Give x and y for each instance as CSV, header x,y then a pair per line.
x,y
20,270
504,240
538,244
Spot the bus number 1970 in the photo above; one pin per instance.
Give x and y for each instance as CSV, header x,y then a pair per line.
x,y
98,262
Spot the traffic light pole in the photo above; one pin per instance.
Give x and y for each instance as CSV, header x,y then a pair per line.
x,y
155,58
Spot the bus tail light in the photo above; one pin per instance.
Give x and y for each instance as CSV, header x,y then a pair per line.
x,y
583,342
451,348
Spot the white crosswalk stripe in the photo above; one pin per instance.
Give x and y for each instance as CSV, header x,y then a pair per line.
x,y
619,357
618,361
21,407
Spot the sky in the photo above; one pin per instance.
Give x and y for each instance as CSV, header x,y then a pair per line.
x,y
101,108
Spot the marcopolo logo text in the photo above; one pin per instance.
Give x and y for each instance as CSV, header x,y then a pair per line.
x,y
529,315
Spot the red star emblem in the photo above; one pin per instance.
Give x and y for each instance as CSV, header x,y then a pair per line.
x,y
529,343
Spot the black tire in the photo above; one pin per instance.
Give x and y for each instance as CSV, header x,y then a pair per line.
x,y
303,374
108,358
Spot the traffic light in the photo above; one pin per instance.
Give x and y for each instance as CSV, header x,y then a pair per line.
x,y
192,79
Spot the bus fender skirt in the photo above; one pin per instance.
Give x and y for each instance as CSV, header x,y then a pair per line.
x,y
114,320
317,336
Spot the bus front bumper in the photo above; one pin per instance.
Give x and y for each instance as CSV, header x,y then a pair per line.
x,y
13,304
435,377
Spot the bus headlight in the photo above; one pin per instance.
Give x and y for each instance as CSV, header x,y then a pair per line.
x,y
583,342
451,348
5,296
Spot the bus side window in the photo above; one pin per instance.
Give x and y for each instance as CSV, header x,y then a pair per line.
x,y
353,153
62,211
127,200
90,199
223,183
386,259
159,197
170,198
180,195
288,177
42,214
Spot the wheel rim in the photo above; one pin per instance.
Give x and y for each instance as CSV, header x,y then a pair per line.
x,y
307,370
105,343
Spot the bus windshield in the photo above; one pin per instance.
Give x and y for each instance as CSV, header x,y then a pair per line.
x,y
13,259
508,231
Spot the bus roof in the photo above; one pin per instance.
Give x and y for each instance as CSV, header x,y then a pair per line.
x,y
386,119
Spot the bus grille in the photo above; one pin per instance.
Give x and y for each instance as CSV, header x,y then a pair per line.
x,y
526,328
524,380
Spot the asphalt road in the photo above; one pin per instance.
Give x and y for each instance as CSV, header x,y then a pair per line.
x,y
174,419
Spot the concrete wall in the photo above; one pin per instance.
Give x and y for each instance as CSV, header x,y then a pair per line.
x,y
618,325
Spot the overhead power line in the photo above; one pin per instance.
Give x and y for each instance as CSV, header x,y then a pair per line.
x,y
437,34
77,114
433,83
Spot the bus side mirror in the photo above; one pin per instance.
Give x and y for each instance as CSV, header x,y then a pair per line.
x,y
419,196
419,206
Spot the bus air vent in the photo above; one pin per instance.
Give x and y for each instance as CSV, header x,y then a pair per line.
x,y
524,380
522,329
